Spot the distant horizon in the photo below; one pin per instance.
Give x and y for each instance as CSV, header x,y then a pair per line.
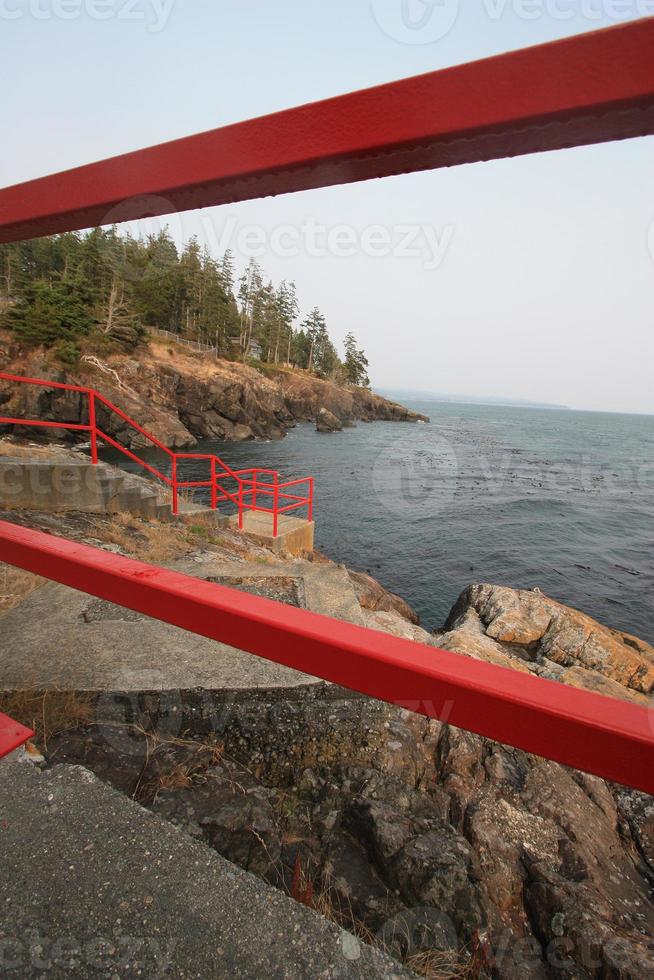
x,y
491,401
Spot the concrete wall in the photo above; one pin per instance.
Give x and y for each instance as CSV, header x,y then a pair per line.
x,y
61,485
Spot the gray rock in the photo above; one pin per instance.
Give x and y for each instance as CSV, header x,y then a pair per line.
x,y
326,421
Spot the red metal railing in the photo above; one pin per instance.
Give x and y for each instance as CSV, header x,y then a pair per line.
x,y
581,90
573,92
247,488
611,738
12,734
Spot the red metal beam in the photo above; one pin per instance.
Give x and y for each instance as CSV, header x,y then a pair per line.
x,y
12,734
611,738
585,89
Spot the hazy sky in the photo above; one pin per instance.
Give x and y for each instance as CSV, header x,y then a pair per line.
x,y
530,278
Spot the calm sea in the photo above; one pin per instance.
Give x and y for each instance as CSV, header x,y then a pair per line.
x,y
523,497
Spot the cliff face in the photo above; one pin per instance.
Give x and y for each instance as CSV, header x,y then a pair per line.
x,y
181,397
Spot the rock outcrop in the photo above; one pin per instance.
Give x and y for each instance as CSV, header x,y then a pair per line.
x,y
181,397
439,845
305,396
326,421
528,631
432,841
374,597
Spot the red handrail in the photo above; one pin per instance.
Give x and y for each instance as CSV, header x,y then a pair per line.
x,y
577,91
611,738
12,734
219,469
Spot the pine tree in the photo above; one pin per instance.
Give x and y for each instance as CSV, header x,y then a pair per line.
x,y
356,363
48,312
110,284
322,359
251,303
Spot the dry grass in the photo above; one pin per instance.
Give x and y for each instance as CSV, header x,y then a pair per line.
x,y
432,963
160,541
435,964
152,541
29,450
202,757
48,712
15,585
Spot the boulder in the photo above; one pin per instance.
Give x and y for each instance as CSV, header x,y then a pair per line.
x,y
373,596
327,421
529,631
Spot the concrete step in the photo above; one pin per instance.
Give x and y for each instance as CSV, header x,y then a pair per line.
x,y
93,885
294,534
74,483
188,511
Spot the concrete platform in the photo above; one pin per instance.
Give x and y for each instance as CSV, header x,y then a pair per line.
x,y
61,639
93,885
294,536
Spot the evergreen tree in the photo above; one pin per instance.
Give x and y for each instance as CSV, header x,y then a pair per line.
x,y
356,363
47,312
252,303
109,284
158,282
322,358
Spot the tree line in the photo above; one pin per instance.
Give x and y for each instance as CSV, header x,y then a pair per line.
x,y
102,290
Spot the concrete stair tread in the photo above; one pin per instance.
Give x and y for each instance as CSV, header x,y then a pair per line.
x,y
83,863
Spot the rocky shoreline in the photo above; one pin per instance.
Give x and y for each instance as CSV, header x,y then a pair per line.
x,y
436,844
182,397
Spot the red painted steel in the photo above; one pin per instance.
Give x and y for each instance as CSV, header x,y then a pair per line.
x,y
12,734
613,739
580,90
218,491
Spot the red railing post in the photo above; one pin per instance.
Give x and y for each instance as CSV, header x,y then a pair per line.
x,y
240,505
254,489
275,505
93,427
214,491
310,510
174,483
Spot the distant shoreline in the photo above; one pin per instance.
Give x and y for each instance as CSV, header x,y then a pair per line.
x,y
470,400
430,396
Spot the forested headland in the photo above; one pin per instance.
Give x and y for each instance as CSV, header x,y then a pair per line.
x,y
103,290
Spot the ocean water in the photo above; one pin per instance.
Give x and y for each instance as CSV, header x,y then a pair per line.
x,y
522,497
